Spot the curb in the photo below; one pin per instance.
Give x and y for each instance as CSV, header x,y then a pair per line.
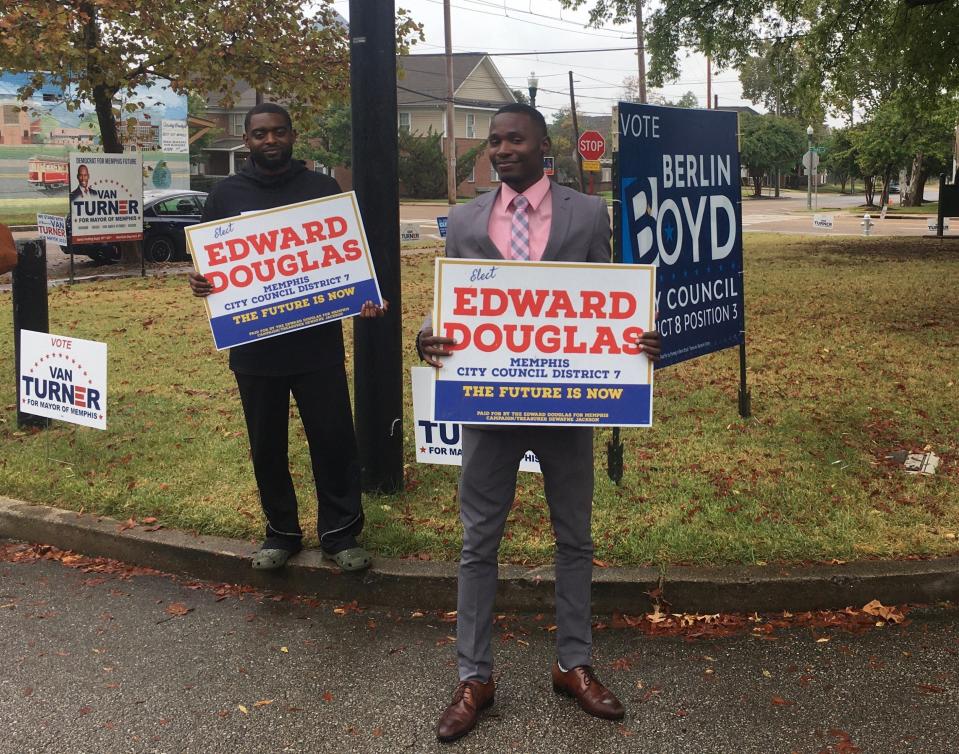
x,y
432,585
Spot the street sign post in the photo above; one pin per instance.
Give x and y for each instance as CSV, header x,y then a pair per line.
x,y
591,145
815,160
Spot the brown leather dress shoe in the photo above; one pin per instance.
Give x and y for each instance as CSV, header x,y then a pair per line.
x,y
583,685
460,717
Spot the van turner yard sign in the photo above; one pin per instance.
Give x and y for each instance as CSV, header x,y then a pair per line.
x,y
63,378
284,269
549,343
106,197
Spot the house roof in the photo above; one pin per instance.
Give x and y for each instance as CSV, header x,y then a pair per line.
x,y
739,109
423,81
227,144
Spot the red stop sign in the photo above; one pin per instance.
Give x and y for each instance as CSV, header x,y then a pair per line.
x,y
591,145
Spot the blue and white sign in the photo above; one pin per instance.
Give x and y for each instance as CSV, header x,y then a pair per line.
x,y
441,442
52,228
545,343
441,224
680,192
283,269
63,378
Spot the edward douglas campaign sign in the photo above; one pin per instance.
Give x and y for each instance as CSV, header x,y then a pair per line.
x,y
283,269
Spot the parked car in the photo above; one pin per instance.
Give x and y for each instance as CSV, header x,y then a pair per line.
x,y
165,215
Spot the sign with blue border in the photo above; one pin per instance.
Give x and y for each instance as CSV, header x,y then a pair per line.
x,y
441,442
284,269
679,185
441,225
543,343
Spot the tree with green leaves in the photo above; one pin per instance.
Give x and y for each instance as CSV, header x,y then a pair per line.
x,y
768,143
422,164
917,37
839,157
328,139
631,94
781,79
102,50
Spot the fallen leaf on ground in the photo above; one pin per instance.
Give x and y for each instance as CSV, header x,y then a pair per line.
x,y
178,609
327,697
263,702
887,613
243,709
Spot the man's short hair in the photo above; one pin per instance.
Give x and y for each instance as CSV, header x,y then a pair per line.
x,y
266,107
531,112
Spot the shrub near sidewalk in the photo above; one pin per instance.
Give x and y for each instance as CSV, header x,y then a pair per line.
x,y
852,355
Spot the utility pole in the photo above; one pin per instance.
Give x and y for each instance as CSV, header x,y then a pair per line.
x,y
576,154
709,82
779,102
641,51
450,119
377,343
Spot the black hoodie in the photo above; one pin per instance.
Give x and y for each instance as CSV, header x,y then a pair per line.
x,y
309,350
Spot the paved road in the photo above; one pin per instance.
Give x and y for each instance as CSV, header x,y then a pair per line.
x,y
114,662
784,215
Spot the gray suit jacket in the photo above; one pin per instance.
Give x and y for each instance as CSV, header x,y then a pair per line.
x,y
579,231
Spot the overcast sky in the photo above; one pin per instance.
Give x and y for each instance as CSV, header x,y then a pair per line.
x,y
507,28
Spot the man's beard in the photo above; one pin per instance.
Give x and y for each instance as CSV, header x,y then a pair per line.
x,y
272,163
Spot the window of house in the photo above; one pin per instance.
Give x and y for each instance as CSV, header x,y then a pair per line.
x,y
472,176
236,123
493,175
470,126
404,123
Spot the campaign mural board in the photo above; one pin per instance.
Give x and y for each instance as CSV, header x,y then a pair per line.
x,y
441,442
38,133
106,197
284,269
545,343
679,184
63,378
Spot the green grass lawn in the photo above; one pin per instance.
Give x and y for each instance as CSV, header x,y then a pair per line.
x,y
852,354
928,208
24,211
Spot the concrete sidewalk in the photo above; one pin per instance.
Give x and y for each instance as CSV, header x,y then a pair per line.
x,y
432,585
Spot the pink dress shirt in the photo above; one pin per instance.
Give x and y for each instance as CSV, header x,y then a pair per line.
x,y
540,212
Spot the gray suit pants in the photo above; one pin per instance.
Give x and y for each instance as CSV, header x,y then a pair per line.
x,y
487,488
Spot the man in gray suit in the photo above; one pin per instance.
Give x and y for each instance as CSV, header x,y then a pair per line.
x,y
529,218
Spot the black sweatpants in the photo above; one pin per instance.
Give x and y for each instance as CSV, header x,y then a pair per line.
x,y
323,401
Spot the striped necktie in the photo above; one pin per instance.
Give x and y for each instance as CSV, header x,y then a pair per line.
x,y
519,230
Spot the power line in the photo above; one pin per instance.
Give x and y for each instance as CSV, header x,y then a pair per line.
x,y
505,14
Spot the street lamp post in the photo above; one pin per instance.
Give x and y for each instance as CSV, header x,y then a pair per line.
x,y
532,84
809,167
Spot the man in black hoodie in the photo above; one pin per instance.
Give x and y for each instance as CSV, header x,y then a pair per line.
x,y
307,363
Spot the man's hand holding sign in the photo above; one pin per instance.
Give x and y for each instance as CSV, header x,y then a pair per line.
x,y
549,343
286,268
